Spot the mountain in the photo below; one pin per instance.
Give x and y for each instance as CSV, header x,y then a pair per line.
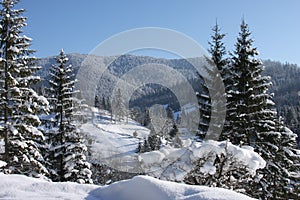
x,y
99,75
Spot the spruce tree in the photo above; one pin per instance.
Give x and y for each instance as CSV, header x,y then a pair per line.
x,y
20,104
250,106
67,150
253,120
154,139
218,52
119,106
97,103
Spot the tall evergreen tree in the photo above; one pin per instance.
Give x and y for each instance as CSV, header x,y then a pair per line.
x,y
218,53
19,103
250,106
119,106
253,120
67,151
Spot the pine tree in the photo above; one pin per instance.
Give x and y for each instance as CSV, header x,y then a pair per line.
x,y
250,105
19,104
175,139
119,106
67,150
252,118
154,140
97,103
218,53
104,105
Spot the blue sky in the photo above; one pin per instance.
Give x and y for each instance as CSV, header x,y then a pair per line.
x,y
79,26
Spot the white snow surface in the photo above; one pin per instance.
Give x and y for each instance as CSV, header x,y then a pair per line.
x,y
113,144
140,187
173,164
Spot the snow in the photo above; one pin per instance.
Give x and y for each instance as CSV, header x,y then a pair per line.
x,y
173,164
1,145
113,142
244,154
2,163
140,187
14,49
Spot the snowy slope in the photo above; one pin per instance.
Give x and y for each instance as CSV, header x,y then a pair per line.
x,y
140,187
113,143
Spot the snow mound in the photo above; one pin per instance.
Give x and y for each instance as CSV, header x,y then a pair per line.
x,y
140,187
174,164
22,187
149,188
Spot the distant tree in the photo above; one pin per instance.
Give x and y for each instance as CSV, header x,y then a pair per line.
x,y
97,103
66,153
104,104
147,119
135,134
108,104
154,140
175,139
139,148
145,147
119,106
174,131
170,113
20,105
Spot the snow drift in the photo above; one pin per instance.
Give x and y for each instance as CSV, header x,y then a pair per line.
x,y
140,187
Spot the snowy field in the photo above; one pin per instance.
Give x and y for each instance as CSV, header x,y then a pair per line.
x,y
140,187
114,143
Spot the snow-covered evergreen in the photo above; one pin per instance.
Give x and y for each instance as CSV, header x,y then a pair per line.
x,y
212,95
66,152
20,104
252,118
118,106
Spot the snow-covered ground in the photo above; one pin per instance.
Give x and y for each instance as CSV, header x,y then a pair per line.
x,y
140,187
114,143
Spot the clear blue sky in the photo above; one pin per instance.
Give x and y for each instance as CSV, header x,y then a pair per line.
x,y
79,25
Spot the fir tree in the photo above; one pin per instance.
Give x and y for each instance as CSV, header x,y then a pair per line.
x,y
250,106
119,106
104,104
20,104
252,118
97,103
154,140
210,88
67,150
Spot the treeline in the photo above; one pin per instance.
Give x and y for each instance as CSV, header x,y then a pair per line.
x,y
40,133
